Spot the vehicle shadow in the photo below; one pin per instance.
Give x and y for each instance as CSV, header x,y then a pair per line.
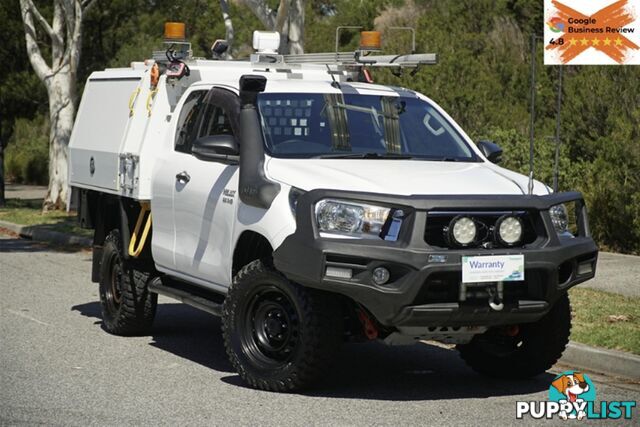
x,y
362,371
181,330
417,372
15,244
376,371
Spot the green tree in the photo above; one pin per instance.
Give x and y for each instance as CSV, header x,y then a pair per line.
x,y
482,80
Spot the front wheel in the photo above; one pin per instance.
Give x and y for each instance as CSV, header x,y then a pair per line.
x,y
278,335
521,352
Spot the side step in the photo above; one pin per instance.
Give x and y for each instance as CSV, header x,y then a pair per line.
x,y
184,293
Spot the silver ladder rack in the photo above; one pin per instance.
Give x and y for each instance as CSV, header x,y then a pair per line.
x,y
348,59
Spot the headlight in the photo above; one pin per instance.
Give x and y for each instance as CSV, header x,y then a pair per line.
x,y
509,230
559,218
355,219
462,230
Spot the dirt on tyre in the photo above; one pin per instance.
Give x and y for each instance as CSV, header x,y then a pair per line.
x,y
128,308
279,336
535,347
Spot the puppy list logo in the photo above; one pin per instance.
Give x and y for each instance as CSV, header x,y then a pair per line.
x,y
572,395
573,388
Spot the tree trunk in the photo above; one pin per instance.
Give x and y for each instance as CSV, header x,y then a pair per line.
x,y
61,88
295,34
2,200
59,77
288,20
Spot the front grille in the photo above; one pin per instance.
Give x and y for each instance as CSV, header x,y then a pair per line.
x,y
438,221
444,287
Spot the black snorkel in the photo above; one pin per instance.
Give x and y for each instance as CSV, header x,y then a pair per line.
x,y
255,189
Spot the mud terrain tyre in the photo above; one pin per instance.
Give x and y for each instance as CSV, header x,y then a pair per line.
x,y
536,347
128,308
278,335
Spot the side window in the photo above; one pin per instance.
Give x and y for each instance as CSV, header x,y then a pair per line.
x,y
186,129
220,113
215,122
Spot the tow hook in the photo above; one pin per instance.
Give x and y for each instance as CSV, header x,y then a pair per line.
x,y
495,297
369,328
512,330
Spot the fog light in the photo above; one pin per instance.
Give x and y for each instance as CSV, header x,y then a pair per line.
x,y
380,276
340,273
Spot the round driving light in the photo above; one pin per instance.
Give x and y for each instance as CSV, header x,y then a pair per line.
x,y
380,276
463,230
509,230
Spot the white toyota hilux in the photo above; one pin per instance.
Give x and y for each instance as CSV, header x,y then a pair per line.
x,y
308,207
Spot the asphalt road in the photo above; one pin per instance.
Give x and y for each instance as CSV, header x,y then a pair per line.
x,y
58,367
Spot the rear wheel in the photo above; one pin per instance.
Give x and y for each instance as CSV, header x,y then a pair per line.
x,y
279,335
128,308
524,351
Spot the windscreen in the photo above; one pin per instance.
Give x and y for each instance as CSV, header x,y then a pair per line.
x,y
330,125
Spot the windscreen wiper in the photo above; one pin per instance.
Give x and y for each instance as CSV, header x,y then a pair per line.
x,y
365,155
440,159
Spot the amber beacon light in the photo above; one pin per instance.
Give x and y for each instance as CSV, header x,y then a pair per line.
x,y
174,31
370,40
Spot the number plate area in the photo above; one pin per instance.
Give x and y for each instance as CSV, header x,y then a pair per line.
x,y
492,268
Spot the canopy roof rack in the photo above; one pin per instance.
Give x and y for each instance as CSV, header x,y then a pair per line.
x,y
266,44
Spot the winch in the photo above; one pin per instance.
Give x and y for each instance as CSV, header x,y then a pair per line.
x,y
494,292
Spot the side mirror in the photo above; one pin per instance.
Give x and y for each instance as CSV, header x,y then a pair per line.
x,y
491,151
216,148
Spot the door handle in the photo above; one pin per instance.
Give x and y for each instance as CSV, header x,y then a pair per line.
x,y
183,177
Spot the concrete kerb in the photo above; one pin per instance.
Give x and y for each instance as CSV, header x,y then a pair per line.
x,y
602,360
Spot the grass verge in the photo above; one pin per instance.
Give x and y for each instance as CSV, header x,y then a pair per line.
x,y
29,212
606,320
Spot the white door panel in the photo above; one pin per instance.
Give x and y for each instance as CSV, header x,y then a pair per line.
x,y
163,186
204,209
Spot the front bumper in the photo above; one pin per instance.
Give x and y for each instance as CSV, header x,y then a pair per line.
x,y
424,290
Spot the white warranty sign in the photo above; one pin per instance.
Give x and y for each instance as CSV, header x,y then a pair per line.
x,y
494,268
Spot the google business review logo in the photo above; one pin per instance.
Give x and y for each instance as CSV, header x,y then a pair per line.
x,y
556,25
602,32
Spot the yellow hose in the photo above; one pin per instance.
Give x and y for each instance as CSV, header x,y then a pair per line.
x,y
150,97
132,100
133,250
